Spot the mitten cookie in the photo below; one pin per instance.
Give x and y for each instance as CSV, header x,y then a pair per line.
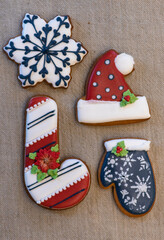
x,y
51,183
45,51
126,167
109,100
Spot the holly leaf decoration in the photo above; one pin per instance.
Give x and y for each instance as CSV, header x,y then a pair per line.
x,y
41,176
132,98
32,155
58,160
55,148
53,173
122,151
34,169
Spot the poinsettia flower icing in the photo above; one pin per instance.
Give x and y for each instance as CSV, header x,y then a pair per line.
x,y
46,159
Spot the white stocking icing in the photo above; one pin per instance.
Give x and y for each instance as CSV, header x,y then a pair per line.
x,y
130,144
92,111
41,121
45,51
71,171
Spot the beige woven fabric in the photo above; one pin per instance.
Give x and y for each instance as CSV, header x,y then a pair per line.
x,y
134,27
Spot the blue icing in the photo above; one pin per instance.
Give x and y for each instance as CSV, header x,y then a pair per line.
x,y
133,179
45,52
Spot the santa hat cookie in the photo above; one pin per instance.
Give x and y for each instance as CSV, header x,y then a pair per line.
x,y
51,183
109,99
126,167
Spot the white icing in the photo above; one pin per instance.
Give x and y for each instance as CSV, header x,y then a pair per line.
x,y
57,185
130,144
41,137
43,128
124,63
93,111
37,104
30,30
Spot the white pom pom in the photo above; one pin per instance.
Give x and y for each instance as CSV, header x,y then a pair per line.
x,y
124,63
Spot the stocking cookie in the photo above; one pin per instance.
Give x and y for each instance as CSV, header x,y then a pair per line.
x,y
51,183
45,51
109,100
126,167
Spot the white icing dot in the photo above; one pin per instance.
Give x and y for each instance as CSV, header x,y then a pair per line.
x,y
98,96
114,97
107,61
95,84
107,89
120,87
98,73
111,76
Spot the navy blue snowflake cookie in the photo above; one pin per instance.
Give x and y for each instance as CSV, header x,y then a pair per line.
x,y
45,51
127,167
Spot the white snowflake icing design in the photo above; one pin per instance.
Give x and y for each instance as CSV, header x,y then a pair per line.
x,y
142,187
124,192
143,163
132,201
141,208
112,161
108,176
123,177
45,51
128,160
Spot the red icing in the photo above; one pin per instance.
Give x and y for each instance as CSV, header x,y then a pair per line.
x,y
127,98
36,100
106,88
72,201
39,144
119,149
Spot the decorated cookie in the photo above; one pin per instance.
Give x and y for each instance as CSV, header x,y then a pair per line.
x,y
109,100
126,167
52,183
45,51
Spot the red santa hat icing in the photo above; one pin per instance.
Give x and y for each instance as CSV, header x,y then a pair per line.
x,y
72,181
106,89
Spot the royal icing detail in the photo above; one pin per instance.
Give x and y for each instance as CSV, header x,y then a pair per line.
x,y
131,175
108,96
45,51
50,183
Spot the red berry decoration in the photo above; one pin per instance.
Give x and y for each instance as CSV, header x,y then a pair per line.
x,y
119,149
127,98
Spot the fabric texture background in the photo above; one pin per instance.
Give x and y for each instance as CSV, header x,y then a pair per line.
x,y
134,27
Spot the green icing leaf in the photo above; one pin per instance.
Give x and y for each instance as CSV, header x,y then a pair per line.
x,y
34,169
41,176
32,155
58,160
123,152
55,148
53,173
121,144
127,93
133,98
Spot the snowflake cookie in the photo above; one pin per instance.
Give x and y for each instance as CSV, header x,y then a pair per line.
x,y
130,173
45,51
51,183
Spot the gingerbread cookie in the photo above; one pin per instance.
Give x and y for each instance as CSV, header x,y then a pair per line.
x,y
126,167
109,100
45,51
51,183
